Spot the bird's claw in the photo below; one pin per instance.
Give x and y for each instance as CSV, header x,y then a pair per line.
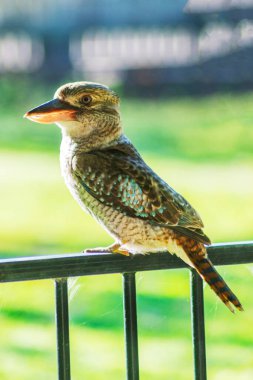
x,y
97,250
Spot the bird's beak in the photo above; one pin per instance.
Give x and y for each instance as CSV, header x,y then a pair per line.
x,y
51,112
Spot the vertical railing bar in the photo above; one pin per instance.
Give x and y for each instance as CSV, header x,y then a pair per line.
x,y
198,326
130,324
62,326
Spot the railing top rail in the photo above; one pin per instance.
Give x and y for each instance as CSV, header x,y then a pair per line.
x,y
80,264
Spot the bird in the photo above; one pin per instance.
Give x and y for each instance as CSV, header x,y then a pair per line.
x,y
109,179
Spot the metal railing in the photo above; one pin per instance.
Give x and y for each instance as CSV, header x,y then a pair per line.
x,y
60,267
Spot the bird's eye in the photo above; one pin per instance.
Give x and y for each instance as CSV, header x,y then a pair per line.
x,y
86,99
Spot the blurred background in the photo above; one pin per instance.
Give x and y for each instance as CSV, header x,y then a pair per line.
x,y
183,70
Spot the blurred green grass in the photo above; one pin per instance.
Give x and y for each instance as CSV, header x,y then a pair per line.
x,y
203,148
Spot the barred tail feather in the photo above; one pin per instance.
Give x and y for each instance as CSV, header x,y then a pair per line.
x,y
207,271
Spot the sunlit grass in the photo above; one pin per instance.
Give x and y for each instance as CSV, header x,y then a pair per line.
x,y
38,216
202,148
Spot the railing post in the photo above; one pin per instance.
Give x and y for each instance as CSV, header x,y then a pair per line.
x,y
130,323
198,326
62,326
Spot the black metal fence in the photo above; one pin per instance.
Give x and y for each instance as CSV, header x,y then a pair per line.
x,y
61,267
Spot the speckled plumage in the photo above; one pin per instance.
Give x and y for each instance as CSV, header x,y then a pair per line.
x,y
110,180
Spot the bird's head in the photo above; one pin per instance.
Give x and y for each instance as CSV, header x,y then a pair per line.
x,y
83,110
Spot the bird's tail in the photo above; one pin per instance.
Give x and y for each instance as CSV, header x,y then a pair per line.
x,y
207,271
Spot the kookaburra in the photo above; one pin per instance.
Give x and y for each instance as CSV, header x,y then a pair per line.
x,y
109,179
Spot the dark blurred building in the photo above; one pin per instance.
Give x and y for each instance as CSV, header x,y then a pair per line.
x,y
154,48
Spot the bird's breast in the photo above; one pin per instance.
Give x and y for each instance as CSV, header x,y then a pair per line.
x,y
75,186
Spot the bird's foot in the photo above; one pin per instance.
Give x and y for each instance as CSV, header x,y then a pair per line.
x,y
114,248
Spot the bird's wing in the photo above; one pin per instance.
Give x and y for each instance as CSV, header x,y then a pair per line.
x,y
127,184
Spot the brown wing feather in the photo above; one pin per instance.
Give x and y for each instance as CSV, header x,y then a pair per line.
x,y
122,180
